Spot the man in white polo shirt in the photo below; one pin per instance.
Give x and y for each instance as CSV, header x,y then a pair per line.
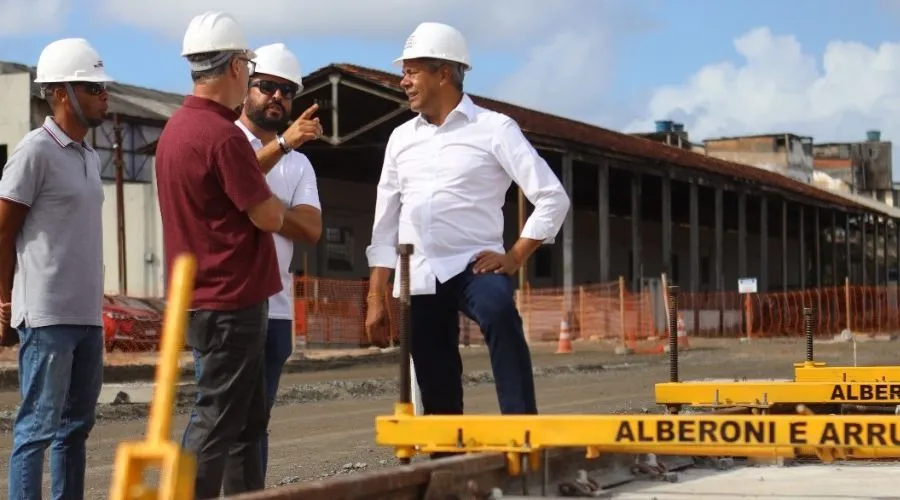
x,y
266,111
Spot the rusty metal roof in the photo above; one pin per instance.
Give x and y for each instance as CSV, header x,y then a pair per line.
x,y
572,131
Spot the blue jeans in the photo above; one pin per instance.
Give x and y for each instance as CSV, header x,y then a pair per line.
x,y
60,376
488,299
278,350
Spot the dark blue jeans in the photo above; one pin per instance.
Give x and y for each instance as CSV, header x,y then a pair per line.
x,y
60,376
278,350
488,299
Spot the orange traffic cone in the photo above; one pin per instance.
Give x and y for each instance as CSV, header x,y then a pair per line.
x,y
565,342
682,334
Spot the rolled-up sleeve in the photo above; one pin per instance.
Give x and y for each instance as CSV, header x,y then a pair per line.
x,y
382,252
537,181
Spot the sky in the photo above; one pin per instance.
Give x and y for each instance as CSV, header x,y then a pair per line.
x,y
826,68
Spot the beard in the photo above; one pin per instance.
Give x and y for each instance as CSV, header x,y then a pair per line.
x,y
259,116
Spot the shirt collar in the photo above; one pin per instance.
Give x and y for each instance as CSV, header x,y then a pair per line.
x,y
58,135
250,136
465,109
195,102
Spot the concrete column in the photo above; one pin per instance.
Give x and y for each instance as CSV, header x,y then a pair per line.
x,y
834,250
719,282
666,223
742,234
694,209
801,233
784,245
876,279
636,263
847,251
818,247
568,235
719,277
763,280
863,250
603,219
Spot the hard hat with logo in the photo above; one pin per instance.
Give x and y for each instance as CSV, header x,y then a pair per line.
x,y
70,60
277,60
214,31
437,41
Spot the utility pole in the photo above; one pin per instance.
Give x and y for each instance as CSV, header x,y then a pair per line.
x,y
120,203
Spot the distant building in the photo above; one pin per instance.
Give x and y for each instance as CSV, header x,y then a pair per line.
x,y
668,132
867,166
788,154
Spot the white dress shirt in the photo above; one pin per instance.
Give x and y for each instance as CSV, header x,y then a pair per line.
x,y
443,188
293,181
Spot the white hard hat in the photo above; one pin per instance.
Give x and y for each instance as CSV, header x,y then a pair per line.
x,y
437,41
277,60
70,60
214,32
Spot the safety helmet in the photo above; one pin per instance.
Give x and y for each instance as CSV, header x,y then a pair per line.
x,y
437,41
70,60
277,60
214,31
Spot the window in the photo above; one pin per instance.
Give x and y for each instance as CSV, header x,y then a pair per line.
x,y
543,262
339,249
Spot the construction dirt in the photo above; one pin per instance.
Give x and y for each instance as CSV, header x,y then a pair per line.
x,y
323,423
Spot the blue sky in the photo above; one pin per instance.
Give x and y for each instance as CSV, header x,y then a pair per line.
x,y
615,63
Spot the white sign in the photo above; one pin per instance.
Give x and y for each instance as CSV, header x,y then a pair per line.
x,y
747,285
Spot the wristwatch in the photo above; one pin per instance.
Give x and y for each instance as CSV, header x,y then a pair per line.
x,y
282,143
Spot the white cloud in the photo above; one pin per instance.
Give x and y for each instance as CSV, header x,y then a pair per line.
x,y
27,17
777,87
569,71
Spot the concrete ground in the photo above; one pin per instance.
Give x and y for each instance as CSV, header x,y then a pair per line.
x,y
322,425
847,481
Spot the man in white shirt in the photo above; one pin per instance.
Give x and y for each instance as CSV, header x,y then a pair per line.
x,y
267,110
443,185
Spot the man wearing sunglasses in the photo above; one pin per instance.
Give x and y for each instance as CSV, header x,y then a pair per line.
x,y
51,273
275,82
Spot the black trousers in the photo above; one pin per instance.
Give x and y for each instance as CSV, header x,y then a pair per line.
x,y
231,407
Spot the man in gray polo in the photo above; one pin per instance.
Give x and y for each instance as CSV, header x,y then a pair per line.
x,y
51,273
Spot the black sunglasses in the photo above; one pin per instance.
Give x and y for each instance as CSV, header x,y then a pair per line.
x,y
92,88
269,87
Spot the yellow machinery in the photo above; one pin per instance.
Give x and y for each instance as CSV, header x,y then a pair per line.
x,y
523,437
177,469
814,384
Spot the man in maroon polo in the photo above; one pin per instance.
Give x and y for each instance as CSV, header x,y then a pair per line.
x,y
216,204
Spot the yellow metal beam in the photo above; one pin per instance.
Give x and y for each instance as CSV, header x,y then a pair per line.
x,y
820,372
764,393
739,435
177,469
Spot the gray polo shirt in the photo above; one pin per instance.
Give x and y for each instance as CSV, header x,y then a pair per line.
x,y
59,250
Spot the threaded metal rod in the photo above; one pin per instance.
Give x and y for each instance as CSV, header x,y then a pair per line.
x,y
405,251
809,328
673,333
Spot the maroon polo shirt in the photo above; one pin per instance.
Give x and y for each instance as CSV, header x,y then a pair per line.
x,y
207,178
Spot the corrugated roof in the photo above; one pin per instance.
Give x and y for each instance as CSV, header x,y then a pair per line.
x,y
556,127
126,100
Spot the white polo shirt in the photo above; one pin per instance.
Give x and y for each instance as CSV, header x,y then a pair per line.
x,y
443,189
293,181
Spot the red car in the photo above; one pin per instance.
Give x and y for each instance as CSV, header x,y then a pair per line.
x,y
130,324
